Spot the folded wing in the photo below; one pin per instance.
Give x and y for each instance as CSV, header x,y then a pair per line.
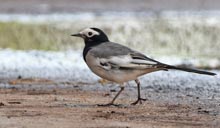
x,y
130,61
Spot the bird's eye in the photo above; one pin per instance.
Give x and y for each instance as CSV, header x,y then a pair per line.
x,y
89,33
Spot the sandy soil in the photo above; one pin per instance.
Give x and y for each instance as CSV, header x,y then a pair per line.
x,y
77,107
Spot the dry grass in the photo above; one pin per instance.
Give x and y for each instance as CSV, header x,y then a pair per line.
x,y
154,36
31,36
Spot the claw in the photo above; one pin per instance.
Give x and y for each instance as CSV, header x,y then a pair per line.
x,y
139,100
103,81
109,104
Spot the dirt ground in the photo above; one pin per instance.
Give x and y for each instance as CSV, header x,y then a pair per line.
x,y
77,107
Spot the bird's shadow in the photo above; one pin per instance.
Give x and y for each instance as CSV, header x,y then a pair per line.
x,y
95,105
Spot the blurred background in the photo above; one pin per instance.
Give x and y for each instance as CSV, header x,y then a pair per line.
x,y
36,33
44,81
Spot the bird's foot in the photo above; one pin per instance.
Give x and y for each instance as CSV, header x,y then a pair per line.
x,y
139,100
103,81
109,104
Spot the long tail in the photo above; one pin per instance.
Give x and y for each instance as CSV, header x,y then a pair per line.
x,y
190,70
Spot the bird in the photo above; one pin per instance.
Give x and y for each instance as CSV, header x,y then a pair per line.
x,y
118,63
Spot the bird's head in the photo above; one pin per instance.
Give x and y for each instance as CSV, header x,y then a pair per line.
x,y
92,35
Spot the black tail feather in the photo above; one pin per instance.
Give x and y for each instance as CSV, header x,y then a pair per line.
x,y
190,70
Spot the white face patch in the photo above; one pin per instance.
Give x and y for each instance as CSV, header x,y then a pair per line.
x,y
89,32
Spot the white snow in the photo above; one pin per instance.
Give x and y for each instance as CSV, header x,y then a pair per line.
x,y
70,66
211,16
42,64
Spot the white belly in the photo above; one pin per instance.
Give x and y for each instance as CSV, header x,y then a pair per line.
x,y
115,75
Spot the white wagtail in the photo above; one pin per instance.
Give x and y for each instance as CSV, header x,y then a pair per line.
x,y
119,63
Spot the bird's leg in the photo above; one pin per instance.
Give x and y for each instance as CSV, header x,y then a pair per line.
x,y
112,102
139,100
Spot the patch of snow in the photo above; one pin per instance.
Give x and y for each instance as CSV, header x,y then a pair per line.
x,y
70,66
212,16
42,64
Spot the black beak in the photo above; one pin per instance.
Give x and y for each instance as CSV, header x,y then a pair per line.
x,y
77,34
